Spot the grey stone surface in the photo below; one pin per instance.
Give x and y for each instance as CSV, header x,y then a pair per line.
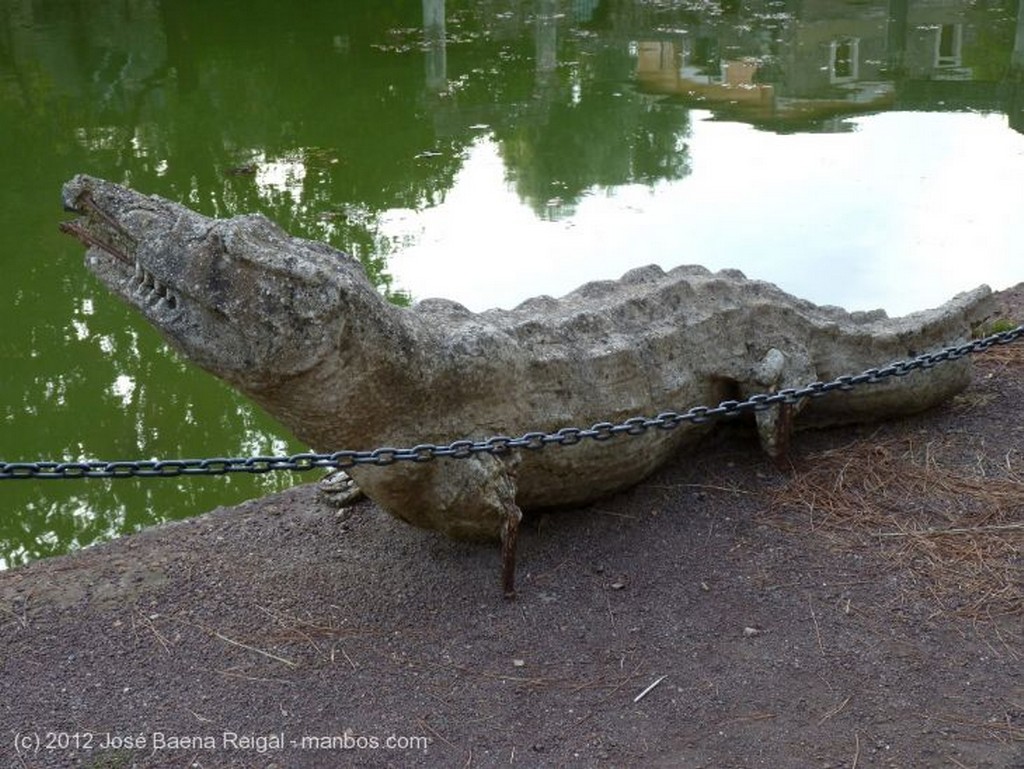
x,y
296,326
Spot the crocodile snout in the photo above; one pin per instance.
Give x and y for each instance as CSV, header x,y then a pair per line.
x,y
72,192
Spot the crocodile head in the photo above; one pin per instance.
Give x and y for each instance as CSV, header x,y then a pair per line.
x,y
238,296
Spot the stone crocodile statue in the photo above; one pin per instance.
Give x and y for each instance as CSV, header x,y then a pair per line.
x,y
296,326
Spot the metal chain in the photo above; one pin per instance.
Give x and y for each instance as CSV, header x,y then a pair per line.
x,y
499,444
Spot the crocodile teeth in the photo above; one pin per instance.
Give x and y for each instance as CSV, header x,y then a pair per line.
x,y
150,292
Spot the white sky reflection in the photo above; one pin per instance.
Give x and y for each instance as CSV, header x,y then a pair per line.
x,y
902,212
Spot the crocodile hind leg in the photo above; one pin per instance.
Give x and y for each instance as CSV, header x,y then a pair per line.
x,y
776,429
501,484
509,540
776,371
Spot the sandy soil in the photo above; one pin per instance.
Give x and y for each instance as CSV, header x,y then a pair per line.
x,y
860,608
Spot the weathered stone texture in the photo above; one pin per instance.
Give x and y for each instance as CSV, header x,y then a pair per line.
x,y
296,326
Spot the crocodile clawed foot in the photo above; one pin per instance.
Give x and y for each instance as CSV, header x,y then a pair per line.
x,y
509,539
338,489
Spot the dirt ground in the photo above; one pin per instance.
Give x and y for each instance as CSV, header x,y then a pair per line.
x,y
863,607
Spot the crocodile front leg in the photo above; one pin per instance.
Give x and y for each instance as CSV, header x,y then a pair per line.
x,y
471,499
339,489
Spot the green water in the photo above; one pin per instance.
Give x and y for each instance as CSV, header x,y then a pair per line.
x,y
861,153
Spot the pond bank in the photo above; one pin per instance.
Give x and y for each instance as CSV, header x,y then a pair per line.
x,y
775,631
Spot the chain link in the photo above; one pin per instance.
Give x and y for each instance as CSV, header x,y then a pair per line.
x,y
495,445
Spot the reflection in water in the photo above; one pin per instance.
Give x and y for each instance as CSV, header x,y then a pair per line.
x,y
500,149
803,71
434,46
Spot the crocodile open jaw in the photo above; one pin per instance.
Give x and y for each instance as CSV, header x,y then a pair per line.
x,y
105,238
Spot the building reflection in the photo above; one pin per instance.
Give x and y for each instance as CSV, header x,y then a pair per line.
x,y
786,65
435,51
779,64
